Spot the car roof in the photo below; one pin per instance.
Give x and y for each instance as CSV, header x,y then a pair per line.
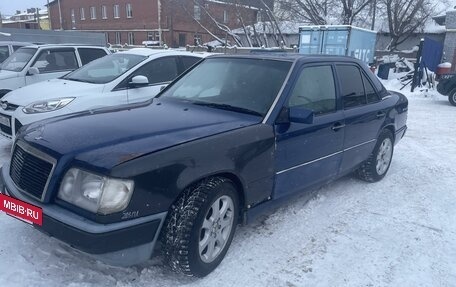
x,y
64,45
147,52
291,57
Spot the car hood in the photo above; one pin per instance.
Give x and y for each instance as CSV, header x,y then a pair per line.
x,y
107,137
50,89
4,74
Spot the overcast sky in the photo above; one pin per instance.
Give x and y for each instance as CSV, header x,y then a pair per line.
x,y
9,7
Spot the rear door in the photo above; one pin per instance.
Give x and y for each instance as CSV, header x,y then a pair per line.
x,y
308,154
364,115
53,63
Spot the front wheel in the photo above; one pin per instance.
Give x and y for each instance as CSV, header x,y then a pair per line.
x,y
378,163
452,97
200,227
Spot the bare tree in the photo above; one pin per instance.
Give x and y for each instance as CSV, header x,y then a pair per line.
x,y
405,17
310,11
351,9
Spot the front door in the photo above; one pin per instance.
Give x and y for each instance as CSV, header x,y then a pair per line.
x,y
308,154
160,72
52,63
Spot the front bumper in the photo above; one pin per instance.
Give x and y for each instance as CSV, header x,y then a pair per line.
x,y
123,243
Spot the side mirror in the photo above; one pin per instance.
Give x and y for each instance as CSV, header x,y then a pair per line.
x,y
33,71
295,115
139,81
301,115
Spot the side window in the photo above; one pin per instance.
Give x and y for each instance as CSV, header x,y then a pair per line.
x,y
87,55
371,94
315,90
159,70
50,61
351,86
189,61
16,47
4,53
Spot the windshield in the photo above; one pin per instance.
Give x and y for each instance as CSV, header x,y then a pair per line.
x,y
19,59
106,69
243,84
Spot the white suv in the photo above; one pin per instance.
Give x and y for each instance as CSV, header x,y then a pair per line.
x,y
36,63
121,78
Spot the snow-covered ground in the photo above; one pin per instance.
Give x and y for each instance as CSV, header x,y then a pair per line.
x,y
398,232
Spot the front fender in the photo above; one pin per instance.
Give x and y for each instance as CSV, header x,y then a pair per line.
x,y
246,153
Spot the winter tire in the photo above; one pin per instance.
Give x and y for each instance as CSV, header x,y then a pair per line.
x,y
452,97
378,163
200,226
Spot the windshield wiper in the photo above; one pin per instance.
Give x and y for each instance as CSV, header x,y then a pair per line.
x,y
79,80
229,108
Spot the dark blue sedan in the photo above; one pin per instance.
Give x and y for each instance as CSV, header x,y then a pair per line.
x,y
223,143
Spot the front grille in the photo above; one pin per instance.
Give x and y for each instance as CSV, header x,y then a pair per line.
x,y
29,172
6,129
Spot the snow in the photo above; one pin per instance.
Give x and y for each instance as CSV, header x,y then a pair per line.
x,y
398,232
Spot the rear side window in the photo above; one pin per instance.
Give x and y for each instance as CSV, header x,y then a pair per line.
x,y
87,55
16,47
189,61
371,94
4,53
351,86
50,61
315,90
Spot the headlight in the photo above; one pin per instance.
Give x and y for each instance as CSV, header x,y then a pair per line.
x,y
47,106
95,193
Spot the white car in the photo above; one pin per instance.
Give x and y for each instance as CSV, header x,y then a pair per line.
x,y
7,48
36,63
121,78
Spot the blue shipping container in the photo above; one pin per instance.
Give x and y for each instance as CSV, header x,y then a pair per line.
x,y
338,40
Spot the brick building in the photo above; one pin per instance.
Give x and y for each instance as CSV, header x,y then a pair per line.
x,y
134,21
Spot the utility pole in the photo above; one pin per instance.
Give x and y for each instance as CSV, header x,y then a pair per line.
x,y
60,16
159,23
49,15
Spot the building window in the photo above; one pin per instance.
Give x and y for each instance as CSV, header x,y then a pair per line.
x,y
197,39
93,13
73,19
107,37
129,10
197,12
131,38
225,16
150,36
118,38
82,12
104,14
116,11
259,16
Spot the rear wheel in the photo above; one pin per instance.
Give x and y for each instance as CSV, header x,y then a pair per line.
x,y
378,163
200,227
452,97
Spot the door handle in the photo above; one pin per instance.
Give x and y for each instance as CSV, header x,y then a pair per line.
x,y
380,115
337,126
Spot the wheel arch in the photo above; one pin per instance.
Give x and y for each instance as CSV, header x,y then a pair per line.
x,y
238,184
392,129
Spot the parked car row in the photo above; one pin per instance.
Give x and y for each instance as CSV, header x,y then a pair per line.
x,y
36,63
227,140
121,78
